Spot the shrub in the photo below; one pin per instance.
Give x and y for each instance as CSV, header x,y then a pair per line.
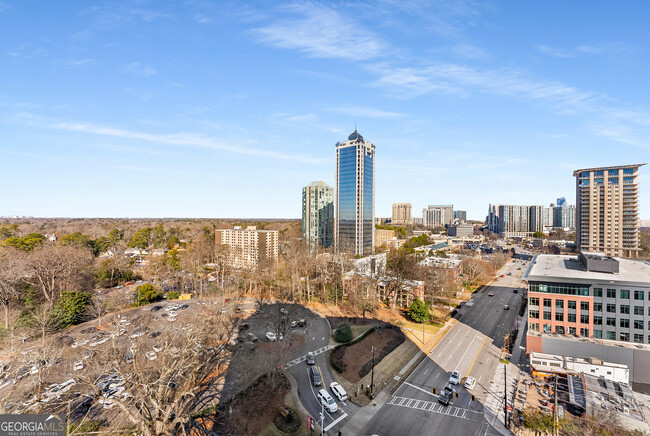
x,y
343,333
419,311
172,295
71,307
145,294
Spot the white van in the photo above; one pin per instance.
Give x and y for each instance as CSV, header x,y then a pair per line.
x,y
327,401
338,391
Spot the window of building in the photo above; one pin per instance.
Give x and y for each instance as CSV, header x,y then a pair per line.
x,y
555,288
571,330
533,301
624,336
584,319
598,320
625,294
638,310
559,329
638,295
611,308
638,324
628,180
611,293
584,332
611,336
598,334
547,328
627,171
547,302
598,307
559,316
638,338
611,173
624,323
571,304
598,292
624,309
611,322
584,305
559,304
547,315
571,317
533,326
533,314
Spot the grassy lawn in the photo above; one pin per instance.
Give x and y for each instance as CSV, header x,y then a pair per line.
x,y
428,328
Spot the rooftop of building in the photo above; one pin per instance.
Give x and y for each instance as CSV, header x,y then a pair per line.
x,y
451,261
549,268
318,184
577,172
615,397
589,361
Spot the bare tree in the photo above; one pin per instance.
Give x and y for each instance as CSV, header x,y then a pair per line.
x,y
44,319
98,307
402,266
12,270
475,271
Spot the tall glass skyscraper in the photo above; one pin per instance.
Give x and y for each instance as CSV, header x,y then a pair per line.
x,y
318,214
355,196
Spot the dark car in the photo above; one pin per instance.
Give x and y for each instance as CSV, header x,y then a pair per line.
x,y
445,396
156,308
515,291
314,374
183,306
154,334
302,322
89,330
243,326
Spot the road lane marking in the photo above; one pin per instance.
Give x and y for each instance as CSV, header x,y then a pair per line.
x,y
336,422
434,407
477,353
420,389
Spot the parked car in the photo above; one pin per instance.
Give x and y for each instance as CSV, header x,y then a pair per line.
x,y
157,348
284,311
243,326
470,382
302,322
506,307
78,365
455,378
338,391
151,355
183,307
128,357
154,334
252,337
271,336
310,358
294,324
327,401
314,374
156,308
515,291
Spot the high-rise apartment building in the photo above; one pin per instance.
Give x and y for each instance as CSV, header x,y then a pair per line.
x,y
607,210
318,214
401,213
247,248
561,202
515,221
438,215
355,195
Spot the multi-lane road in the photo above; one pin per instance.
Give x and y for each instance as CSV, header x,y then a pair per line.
x,y
472,347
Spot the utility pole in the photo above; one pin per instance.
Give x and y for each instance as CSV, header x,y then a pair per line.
x,y
505,396
322,419
372,376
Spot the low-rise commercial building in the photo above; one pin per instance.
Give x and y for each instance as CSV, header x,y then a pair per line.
x,y
461,230
381,236
574,366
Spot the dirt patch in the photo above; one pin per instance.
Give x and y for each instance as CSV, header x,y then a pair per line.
x,y
357,358
289,423
254,408
291,344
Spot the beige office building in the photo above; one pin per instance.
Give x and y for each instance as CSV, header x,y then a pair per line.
x,y
383,236
607,210
248,247
401,214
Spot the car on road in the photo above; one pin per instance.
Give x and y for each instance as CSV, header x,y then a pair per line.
x,y
470,382
490,294
338,391
314,375
310,358
455,378
327,401
502,275
271,336
445,395
506,307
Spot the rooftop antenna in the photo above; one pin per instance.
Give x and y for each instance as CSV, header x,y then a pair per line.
x,y
355,126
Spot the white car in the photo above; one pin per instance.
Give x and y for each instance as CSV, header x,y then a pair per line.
x,y
327,401
151,355
157,348
455,378
137,334
470,382
78,365
284,311
63,387
171,318
338,391
99,342
271,336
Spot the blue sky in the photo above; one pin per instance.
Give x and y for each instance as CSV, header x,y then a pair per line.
x,y
226,109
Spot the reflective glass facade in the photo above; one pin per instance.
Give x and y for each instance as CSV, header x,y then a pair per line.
x,y
355,200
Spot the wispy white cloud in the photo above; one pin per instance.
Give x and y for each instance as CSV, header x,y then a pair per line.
x,y
73,63
181,139
140,69
362,111
312,121
584,49
322,33
555,52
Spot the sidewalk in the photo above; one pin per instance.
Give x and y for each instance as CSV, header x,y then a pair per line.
x,y
360,419
494,413
518,356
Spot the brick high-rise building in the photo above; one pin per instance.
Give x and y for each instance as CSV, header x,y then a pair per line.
x,y
246,248
607,210
401,213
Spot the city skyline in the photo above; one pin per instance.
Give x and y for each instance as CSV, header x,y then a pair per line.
x,y
147,110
